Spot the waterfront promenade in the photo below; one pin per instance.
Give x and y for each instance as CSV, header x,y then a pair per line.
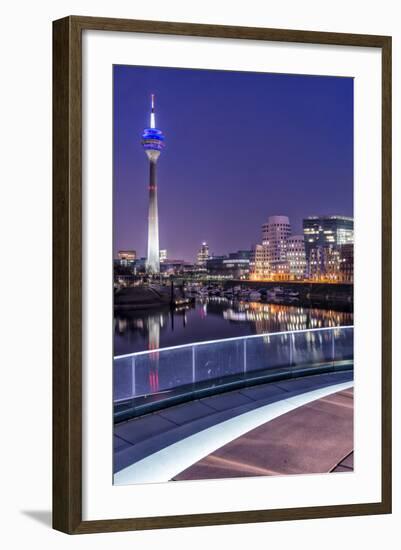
x,y
270,404
295,426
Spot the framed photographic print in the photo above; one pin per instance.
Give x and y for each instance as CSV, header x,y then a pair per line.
x,y
222,274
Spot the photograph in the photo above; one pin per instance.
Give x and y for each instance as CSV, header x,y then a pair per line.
x,y
233,274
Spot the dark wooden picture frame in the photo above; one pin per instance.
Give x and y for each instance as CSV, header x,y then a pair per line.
x,y
67,274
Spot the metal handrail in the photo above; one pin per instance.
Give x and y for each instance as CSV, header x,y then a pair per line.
x,y
263,335
189,376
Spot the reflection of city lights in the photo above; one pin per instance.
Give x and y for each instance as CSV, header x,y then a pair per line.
x,y
261,318
272,317
122,325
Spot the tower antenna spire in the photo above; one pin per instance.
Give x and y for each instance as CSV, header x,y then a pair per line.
x,y
152,112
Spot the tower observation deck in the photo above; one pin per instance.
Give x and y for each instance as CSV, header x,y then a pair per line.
x,y
153,144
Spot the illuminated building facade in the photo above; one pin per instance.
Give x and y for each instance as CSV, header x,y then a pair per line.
x,y
163,255
324,263
259,268
324,236
126,257
270,258
296,257
175,267
153,143
275,234
235,265
347,263
203,255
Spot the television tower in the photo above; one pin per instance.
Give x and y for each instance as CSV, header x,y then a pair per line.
x,y
153,143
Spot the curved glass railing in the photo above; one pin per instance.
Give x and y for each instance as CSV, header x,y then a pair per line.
x,y
150,380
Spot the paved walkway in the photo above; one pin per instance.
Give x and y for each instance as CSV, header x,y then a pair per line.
x,y
142,437
314,438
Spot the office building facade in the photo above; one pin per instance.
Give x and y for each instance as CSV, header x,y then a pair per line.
x,y
202,255
324,236
296,257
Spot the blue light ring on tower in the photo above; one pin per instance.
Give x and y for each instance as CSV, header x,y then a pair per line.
x,y
152,138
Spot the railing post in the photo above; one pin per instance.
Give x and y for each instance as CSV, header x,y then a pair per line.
x,y
245,339
291,350
333,349
193,364
133,381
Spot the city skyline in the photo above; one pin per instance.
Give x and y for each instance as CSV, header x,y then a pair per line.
x,y
195,257
221,184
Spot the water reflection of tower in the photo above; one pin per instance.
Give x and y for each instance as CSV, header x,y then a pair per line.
x,y
154,344
153,143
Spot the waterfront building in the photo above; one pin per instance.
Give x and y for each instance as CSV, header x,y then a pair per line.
x,y
258,263
324,264
173,266
126,257
275,234
215,264
281,271
347,263
324,236
235,265
296,257
270,258
153,143
163,255
203,255
238,264
244,255
327,231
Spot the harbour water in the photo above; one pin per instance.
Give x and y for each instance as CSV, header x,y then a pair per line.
x,y
214,318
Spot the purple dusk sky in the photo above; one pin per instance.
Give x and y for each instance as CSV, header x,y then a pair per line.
x,y
239,147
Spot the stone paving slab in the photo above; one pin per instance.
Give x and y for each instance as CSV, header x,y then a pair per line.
x,y
120,444
225,401
310,382
138,429
264,391
182,414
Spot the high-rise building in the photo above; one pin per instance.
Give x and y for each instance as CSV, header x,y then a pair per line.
x,y
323,237
203,255
275,234
153,143
269,259
163,255
296,256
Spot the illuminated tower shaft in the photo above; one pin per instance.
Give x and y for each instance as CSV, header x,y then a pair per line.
x,y
153,258
153,143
